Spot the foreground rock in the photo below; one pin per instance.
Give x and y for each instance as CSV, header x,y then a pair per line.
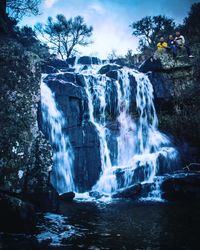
x,y
16,215
25,154
67,196
135,191
181,187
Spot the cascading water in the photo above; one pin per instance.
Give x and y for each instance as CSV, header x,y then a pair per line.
x,y
141,149
140,144
53,120
96,92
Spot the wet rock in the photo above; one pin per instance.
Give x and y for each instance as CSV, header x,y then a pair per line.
x,y
16,215
95,194
109,67
69,196
46,69
112,74
87,60
120,61
80,80
57,63
68,77
72,101
135,191
181,187
131,192
71,61
87,165
163,85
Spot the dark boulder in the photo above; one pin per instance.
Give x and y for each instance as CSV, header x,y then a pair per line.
x,y
87,165
109,67
135,191
131,192
112,74
80,80
67,77
57,63
120,61
150,65
87,60
16,216
69,196
46,69
163,86
95,194
71,61
181,187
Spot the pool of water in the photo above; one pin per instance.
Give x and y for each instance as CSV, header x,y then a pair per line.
x,y
130,225
120,224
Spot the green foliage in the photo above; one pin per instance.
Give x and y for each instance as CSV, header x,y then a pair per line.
x,y
20,8
27,37
65,35
191,25
150,29
129,57
184,122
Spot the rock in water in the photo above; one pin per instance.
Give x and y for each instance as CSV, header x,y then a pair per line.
x,y
183,186
132,192
69,196
16,215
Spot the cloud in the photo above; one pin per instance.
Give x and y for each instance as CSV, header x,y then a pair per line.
x,y
97,7
49,3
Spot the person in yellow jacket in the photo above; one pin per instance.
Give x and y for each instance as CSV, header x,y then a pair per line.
x,y
162,45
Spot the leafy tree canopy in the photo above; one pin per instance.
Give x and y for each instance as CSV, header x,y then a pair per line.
x,y
191,24
65,35
20,8
150,29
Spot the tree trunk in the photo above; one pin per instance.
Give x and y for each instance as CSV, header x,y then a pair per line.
x,y
4,27
3,8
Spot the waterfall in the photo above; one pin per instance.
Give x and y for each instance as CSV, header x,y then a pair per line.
x,y
96,92
127,99
54,122
140,144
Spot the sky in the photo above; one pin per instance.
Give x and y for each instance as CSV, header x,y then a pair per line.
x,y
111,19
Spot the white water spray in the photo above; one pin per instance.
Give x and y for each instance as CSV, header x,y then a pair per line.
x,y
140,144
63,157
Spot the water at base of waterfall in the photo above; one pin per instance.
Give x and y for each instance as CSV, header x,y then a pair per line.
x,y
117,225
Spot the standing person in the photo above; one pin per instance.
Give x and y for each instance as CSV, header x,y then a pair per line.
x,y
172,45
180,41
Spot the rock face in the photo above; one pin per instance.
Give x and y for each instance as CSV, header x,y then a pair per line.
x,y
169,78
181,187
71,99
176,90
25,155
